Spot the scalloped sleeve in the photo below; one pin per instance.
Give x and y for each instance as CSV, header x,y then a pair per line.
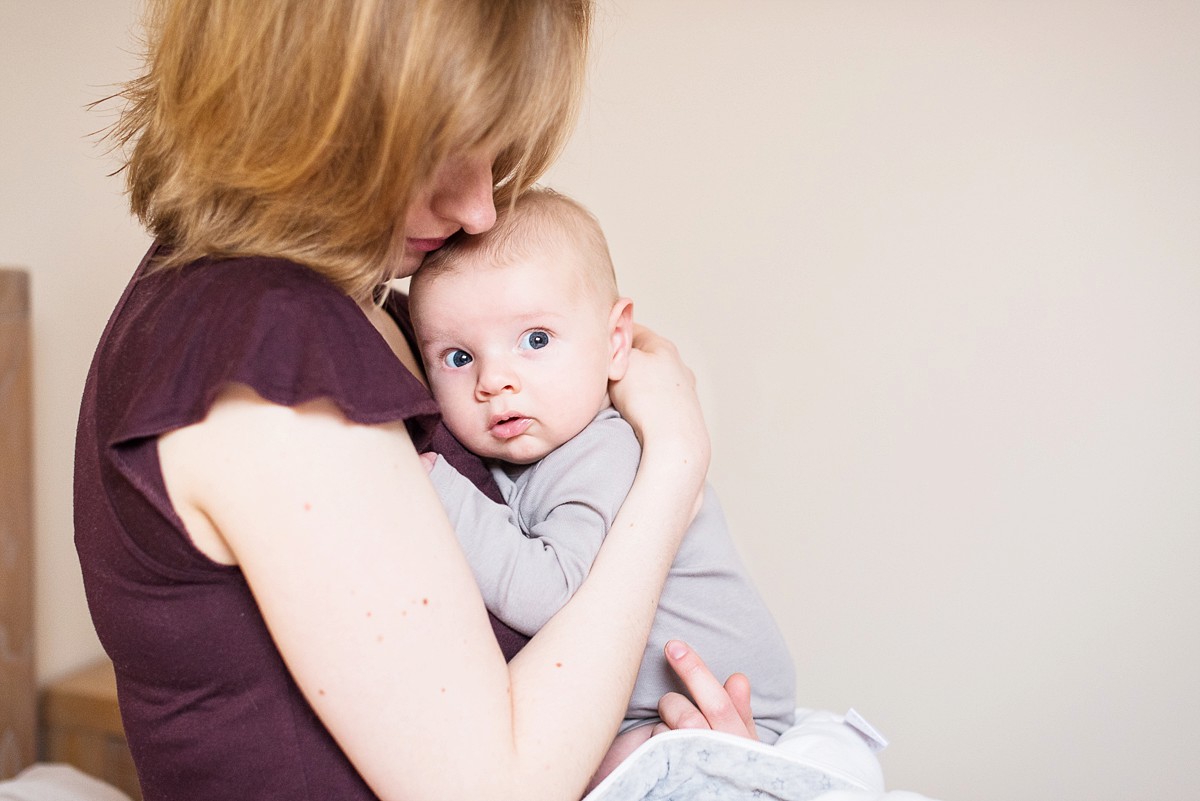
x,y
178,337
208,705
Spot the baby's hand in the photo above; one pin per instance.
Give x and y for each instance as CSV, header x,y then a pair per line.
x,y
429,459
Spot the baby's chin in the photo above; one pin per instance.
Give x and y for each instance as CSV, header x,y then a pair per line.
x,y
524,452
521,457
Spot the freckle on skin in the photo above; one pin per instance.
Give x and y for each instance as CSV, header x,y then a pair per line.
x,y
308,507
425,602
320,692
558,664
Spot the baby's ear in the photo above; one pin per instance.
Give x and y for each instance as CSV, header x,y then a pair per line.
x,y
620,332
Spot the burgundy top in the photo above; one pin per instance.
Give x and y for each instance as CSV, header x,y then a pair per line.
x,y
209,708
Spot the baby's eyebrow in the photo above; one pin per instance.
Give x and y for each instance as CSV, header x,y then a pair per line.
x,y
428,340
432,348
539,315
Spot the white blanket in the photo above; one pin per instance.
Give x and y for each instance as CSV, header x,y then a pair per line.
x,y
53,782
824,756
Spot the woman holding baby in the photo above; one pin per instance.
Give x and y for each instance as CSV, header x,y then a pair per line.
x,y
284,601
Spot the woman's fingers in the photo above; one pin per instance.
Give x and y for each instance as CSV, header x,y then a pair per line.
x,y
657,396
646,340
738,688
718,707
677,712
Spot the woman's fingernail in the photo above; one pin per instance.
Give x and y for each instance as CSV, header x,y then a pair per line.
x,y
676,649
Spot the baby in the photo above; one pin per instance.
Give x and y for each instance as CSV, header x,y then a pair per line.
x,y
520,330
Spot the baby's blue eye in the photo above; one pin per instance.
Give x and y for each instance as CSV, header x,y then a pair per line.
x,y
457,358
535,340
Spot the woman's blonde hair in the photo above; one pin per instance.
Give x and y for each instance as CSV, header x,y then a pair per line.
x,y
303,129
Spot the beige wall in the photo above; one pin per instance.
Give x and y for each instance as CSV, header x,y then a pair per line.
x,y
938,268
65,221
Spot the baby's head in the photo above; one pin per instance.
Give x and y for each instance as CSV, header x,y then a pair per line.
x,y
521,328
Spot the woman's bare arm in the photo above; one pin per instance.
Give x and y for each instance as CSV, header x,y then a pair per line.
x,y
360,578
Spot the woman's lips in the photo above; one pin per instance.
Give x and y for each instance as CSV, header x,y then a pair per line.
x,y
510,427
425,245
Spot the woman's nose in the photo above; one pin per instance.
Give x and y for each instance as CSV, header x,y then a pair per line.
x,y
463,194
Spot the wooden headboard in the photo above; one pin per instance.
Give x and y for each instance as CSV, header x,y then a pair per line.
x,y
18,702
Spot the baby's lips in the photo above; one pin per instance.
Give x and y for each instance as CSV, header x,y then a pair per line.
x,y
509,427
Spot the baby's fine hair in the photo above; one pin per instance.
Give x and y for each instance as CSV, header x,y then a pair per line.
x,y
537,219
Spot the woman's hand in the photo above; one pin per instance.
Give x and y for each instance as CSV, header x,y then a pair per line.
x,y
718,707
657,395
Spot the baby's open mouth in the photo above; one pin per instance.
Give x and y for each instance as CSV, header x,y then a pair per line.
x,y
510,426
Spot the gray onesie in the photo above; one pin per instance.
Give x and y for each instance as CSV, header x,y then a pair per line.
x,y
530,556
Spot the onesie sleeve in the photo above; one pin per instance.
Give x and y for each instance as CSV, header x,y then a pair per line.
x,y
530,558
497,550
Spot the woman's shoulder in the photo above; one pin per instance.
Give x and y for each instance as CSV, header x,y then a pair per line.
x,y
181,334
243,288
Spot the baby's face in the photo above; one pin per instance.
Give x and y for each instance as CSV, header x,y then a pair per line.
x,y
518,356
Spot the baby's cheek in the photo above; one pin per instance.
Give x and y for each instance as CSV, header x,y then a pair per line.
x,y
459,418
443,390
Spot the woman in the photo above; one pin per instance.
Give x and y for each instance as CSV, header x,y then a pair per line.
x,y
266,563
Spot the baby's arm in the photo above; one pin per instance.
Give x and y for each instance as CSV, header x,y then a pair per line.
x,y
526,574
524,579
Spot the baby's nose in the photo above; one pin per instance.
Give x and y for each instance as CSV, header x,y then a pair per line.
x,y
495,378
